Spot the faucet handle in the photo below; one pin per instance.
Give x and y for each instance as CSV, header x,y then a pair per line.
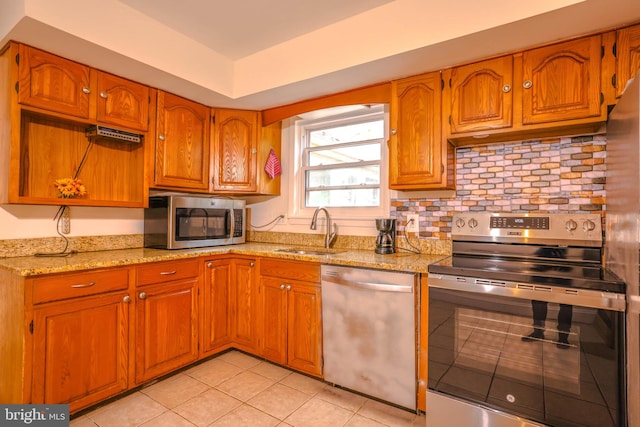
x,y
332,236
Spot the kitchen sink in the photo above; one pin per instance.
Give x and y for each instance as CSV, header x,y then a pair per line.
x,y
309,251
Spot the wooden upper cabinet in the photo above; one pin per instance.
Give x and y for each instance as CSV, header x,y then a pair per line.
x,y
562,82
53,83
548,91
122,102
235,148
481,95
417,150
628,54
182,143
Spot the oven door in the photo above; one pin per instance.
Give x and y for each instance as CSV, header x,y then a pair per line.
x,y
551,357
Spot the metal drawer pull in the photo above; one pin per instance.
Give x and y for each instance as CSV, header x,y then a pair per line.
x,y
83,285
167,273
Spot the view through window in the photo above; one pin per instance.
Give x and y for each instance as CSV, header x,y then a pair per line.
x,y
341,161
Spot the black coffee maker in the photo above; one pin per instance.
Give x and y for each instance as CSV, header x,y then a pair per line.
x,y
386,241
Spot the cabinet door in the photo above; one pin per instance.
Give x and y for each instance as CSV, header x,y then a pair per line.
x,y
244,305
628,53
273,319
81,350
416,155
304,327
216,310
166,328
122,102
562,82
53,83
235,150
481,96
182,143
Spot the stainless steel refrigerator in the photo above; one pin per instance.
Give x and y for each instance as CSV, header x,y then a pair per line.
x,y
623,226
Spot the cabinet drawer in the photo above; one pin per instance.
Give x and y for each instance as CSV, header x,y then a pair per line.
x,y
305,271
76,285
167,271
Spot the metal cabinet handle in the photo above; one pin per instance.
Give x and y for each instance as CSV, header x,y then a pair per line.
x,y
86,90
209,264
506,88
126,299
142,295
103,95
161,137
251,264
83,285
168,273
393,131
288,287
281,285
527,84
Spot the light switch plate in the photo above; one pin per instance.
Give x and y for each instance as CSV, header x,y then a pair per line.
x,y
412,223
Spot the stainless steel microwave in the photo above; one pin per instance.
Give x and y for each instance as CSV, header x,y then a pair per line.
x,y
178,222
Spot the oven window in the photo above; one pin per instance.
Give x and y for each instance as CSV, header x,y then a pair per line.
x,y
555,364
202,224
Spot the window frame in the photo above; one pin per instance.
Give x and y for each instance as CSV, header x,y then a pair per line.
x,y
327,118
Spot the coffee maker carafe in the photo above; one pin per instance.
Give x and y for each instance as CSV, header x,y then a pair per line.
x,y
386,241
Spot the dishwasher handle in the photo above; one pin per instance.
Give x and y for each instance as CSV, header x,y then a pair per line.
x,y
334,277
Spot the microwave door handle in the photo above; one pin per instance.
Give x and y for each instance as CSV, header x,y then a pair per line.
x,y
233,223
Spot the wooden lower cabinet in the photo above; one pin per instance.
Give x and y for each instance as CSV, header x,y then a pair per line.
x,y
77,339
81,350
244,301
166,327
216,306
290,315
88,336
229,305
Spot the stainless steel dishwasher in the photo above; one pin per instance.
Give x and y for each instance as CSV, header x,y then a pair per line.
x,y
369,332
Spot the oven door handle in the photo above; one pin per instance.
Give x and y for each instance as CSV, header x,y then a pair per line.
x,y
557,294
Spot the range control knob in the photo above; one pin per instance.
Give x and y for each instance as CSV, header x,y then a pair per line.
x,y
571,225
473,223
588,225
460,223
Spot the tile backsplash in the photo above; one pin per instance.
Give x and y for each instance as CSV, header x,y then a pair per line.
x,y
560,175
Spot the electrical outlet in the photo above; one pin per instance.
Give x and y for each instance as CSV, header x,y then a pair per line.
x,y
412,223
66,220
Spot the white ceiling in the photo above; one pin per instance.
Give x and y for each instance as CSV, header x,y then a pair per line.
x,y
240,28
258,54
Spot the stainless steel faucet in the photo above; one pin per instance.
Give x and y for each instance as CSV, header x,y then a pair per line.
x,y
329,236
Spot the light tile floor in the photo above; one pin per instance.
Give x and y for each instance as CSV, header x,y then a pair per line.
x,y
235,389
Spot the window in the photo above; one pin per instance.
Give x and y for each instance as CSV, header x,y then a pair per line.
x,y
342,162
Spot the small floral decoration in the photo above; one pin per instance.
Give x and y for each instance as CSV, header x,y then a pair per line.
x,y
69,188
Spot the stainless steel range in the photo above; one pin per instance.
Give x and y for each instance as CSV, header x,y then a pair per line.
x,y
524,320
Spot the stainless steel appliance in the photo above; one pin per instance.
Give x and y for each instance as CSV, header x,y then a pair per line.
x,y
623,224
386,240
369,332
178,222
524,320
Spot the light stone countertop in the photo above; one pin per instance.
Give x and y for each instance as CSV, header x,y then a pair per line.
x,y
33,266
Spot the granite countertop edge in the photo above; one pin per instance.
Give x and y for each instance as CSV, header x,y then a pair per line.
x,y
35,266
